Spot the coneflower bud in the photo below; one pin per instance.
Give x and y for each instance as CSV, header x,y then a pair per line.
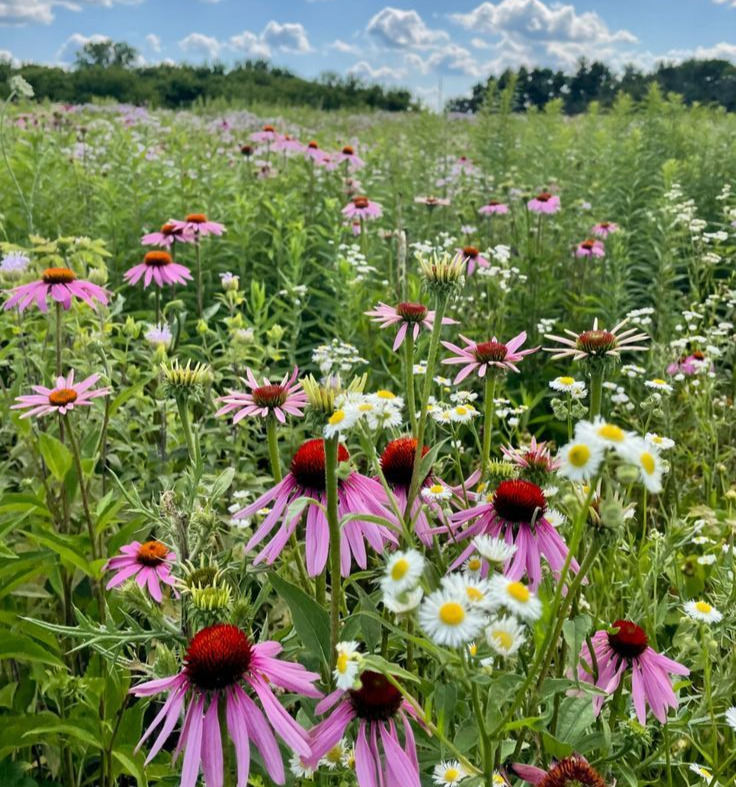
x,y
322,396
441,273
186,382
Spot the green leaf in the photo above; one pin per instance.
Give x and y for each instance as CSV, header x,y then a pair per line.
x,y
69,548
132,764
575,716
14,646
57,456
222,482
311,621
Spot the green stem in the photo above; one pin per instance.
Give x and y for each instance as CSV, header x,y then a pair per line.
x,y
488,412
596,392
331,446
59,324
82,488
709,690
186,428
409,379
273,448
198,267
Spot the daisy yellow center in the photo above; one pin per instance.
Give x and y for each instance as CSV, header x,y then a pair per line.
x,y
705,773
566,380
385,394
452,774
647,462
473,649
656,439
436,489
62,397
451,613
461,411
579,455
337,417
704,607
474,594
342,663
498,780
659,381
518,591
400,567
474,564
611,432
334,755
504,639
365,407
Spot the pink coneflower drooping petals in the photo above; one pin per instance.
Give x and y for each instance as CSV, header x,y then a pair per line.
x,y
379,710
604,228
198,226
313,152
544,202
590,248
348,154
224,671
572,770
493,207
473,258
432,202
266,398
485,356
149,562
536,458
628,649
516,513
169,234
267,134
356,494
62,399
597,343
362,208
409,316
158,267
61,284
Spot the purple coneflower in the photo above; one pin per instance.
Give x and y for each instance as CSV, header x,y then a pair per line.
x,y
266,398
267,134
597,343
313,152
380,756
689,364
604,229
493,207
485,356
198,226
362,208
432,202
544,203
472,257
628,648
169,234
61,284
590,248
536,458
287,144
348,154
516,513
150,563
573,770
357,494
414,316
159,267
222,670
62,399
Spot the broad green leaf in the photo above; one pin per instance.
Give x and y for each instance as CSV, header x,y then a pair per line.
x,y
311,621
15,646
57,456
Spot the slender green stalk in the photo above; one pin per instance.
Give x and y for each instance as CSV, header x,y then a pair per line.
x,y
273,448
186,428
709,689
596,391
82,487
59,327
198,269
409,380
488,412
331,446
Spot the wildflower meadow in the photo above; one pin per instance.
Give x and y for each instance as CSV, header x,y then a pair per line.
x,y
367,449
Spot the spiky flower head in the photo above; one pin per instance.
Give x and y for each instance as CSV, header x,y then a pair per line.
x,y
442,273
321,396
212,599
186,382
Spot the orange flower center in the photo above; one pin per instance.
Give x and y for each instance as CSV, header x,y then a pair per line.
x,y
470,251
269,128
62,397
587,245
545,196
348,150
196,218
168,229
313,145
58,276
152,553
360,202
157,259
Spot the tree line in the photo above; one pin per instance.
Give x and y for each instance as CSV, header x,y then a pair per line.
x,y
108,70
710,82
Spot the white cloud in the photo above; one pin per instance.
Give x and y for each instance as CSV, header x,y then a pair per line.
x,y
732,3
399,29
21,12
200,44
289,37
154,42
342,46
250,44
7,57
77,41
450,59
365,70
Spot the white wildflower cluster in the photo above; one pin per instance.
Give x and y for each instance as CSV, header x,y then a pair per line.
x,y
337,357
380,410
641,317
684,211
545,325
350,254
581,459
503,275
460,411
294,293
445,241
508,412
466,605
569,385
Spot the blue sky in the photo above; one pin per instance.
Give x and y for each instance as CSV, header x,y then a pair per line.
x,y
419,44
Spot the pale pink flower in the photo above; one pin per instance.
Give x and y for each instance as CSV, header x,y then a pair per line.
x,y
61,284
267,134
544,203
348,154
158,267
169,234
590,248
409,316
604,228
224,673
266,398
313,152
597,343
432,202
537,457
150,563
362,208
486,355
62,398
198,225
473,258
493,207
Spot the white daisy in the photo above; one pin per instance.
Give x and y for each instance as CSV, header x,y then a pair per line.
x,y
383,397
663,443
342,419
699,770
436,492
703,612
449,620
299,768
473,589
580,459
555,518
646,458
400,603
442,415
449,773
563,384
658,384
494,550
384,417
731,718
516,597
579,391
403,571
463,413
600,430
348,759
473,565
335,755
706,560
505,635
347,665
